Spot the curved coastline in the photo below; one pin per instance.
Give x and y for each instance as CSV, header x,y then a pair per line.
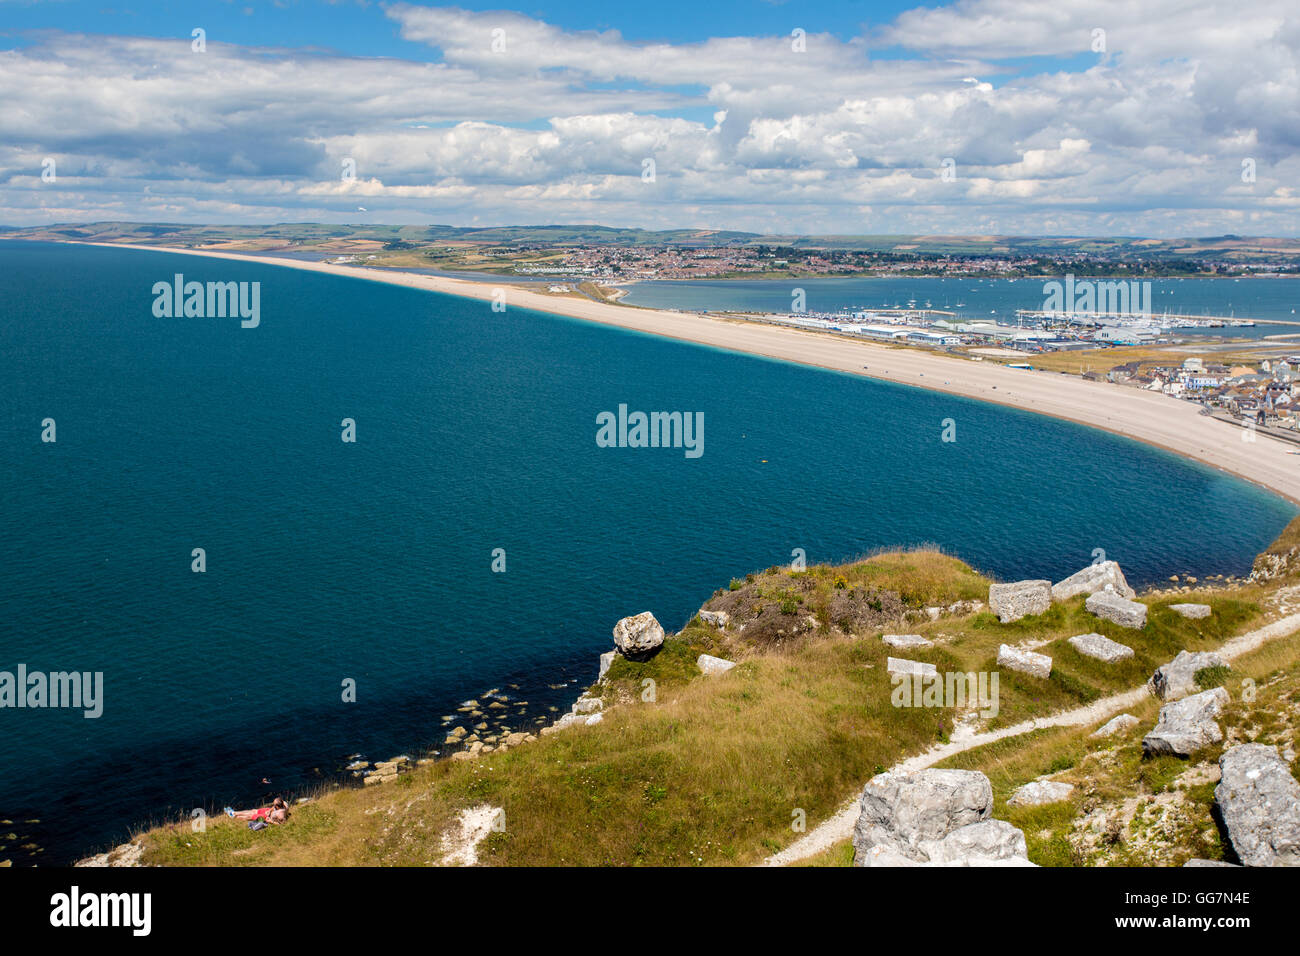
x,y
1148,417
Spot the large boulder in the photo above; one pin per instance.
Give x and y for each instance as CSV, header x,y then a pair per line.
x,y
638,636
988,843
1010,602
1177,679
1187,725
934,818
1259,802
1027,662
1111,607
1100,647
1103,576
901,810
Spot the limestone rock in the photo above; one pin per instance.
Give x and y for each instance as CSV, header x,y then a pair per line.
x,y
899,665
1192,612
1027,662
901,810
1187,725
1010,602
1200,862
1105,576
1101,647
638,636
979,844
1112,607
906,640
1178,678
1041,791
1116,725
709,664
716,618
1259,801
606,659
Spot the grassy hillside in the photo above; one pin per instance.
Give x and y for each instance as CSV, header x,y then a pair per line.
x,y
686,769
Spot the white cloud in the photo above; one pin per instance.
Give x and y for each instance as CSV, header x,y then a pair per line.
x,y
744,132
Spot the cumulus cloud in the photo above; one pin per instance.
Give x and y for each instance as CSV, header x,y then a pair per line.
x,y
518,120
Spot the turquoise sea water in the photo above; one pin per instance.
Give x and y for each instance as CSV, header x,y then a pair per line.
x,y
372,561
1259,299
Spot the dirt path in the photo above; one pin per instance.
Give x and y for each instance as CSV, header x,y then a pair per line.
x,y
840,826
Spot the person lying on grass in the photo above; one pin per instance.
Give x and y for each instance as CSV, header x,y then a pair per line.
x,y
277,812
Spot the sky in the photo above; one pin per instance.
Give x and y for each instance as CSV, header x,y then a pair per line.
x,y
1163,118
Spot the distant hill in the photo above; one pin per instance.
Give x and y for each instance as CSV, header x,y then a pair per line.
x,y
1227,248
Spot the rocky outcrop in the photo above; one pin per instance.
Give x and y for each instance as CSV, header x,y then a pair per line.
x,y
1178,678
906,640
1193,612
1104,576
1100,647
638,636
1118,610
1259,802
388,770
716,618
1039,792
1027,662
1188,725
1116,725
708,664
934,817
1010,602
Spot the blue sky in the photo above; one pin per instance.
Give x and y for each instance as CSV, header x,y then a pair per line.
x,y
1173,117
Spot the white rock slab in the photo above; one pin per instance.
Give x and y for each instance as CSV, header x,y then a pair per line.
x,y
1027,662
1100,647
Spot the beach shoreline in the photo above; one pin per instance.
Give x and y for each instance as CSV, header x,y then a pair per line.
x,y
1152,418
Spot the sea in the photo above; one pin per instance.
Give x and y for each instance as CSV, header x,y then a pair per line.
x,y
1264,300
475,536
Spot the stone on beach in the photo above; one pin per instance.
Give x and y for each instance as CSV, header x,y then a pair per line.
x,y
1012,601
1259,802
639,635
1027,662
709,664
1178,678
1111,607
1100,647
1039,792
1116,725
1187,725
899,665
1104,576
906,640
1193,612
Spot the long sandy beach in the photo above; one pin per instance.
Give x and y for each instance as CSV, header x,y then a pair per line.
x,y
1148,417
